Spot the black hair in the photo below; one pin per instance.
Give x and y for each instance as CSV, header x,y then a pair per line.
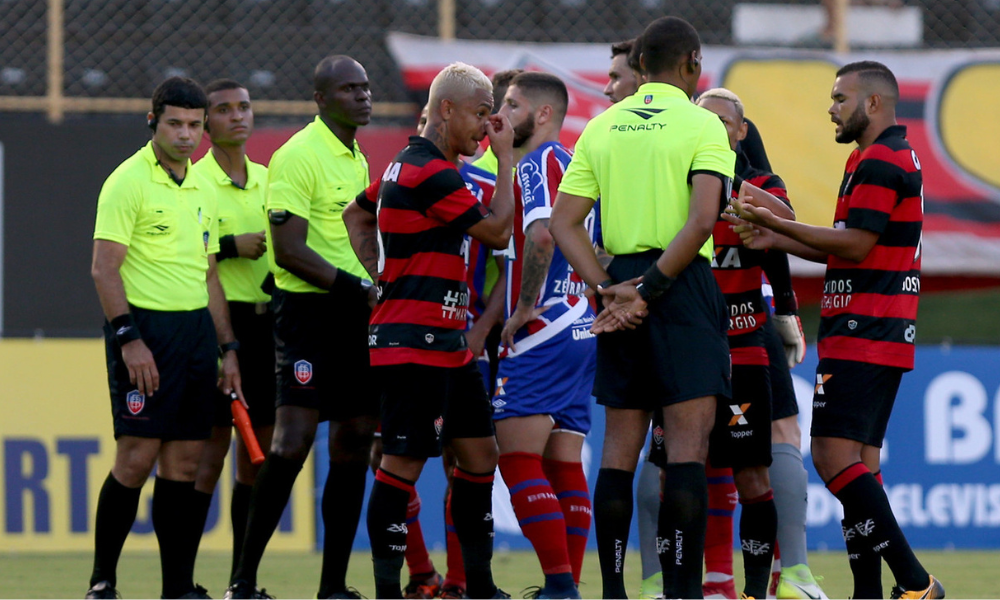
x,y
633,56
872,73
666,41
220,85
622,47
182,92
545,86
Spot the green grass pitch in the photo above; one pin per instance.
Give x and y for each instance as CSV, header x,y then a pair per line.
x,y
296,575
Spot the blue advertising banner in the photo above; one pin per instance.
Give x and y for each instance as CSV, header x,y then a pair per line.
x,y
940,461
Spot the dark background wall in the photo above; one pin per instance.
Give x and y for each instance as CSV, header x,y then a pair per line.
x,y
52,177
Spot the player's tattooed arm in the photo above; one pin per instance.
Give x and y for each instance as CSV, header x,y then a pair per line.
x,y
535,260
603,257
362,229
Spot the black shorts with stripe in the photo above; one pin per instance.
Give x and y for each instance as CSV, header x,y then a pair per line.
x,y
741,437
186,354
424,407
853,400
321,354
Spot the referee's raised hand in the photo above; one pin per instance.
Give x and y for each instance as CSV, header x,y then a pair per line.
x,y
141,367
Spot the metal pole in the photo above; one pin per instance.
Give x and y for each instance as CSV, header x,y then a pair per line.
x,y
56,50
840,41
446,19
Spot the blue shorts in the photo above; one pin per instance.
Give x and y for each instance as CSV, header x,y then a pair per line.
x,y
553,378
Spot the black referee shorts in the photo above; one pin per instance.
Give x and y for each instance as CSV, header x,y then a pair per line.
x,y
321,353
186,353
253,326
783,402
679,353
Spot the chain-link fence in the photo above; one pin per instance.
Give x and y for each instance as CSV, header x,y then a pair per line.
x,y
121,49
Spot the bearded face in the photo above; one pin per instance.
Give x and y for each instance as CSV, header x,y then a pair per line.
x,y
855,126
524,130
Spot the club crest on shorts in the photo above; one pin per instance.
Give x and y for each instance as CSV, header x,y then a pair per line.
x,y
648,99
135,402
303,371
658,435
438,425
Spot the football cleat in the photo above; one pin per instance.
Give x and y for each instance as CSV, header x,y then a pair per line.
x,y
934,590
424,587
798,581
719,590
102,589
652,586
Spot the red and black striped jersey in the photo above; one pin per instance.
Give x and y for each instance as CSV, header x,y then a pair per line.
x,y
738,271
869,309
423,208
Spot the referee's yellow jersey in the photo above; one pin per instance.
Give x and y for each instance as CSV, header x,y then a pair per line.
x,y
240,211
314,176
488,161
169,229
638,157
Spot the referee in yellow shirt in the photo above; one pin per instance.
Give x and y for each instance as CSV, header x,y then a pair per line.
x,y
156,235
321,310
240,185
661,166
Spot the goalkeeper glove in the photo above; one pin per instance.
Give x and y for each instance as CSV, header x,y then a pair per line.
x,y
790,329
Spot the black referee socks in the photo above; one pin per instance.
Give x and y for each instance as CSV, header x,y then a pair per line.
x,y
267,502
116,508
238,510
680,539
612,519
173,511
343,497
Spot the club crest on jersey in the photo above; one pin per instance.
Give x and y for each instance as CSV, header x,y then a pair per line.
x,y
648,99
303,371
658,435
438,425
135,402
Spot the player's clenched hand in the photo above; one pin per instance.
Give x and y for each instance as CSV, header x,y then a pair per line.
x,y
251,245
624,308
142,370
517,320
229,377
501,134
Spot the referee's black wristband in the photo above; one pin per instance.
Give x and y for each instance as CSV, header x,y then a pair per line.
x,y
227,248
347,284
654,283
125,329
606,284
